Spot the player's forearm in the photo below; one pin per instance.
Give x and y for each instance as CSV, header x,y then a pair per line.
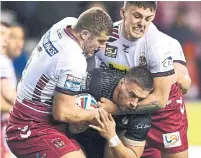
x,y
184,82
121,151
72,115
151,104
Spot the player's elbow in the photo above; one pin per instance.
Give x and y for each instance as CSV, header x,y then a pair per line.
x,y
58,114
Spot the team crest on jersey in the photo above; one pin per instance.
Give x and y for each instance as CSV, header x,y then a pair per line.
x,y
111,51
142,60
72,83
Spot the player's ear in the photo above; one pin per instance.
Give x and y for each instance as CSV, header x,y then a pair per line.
x,y
85,34
122,12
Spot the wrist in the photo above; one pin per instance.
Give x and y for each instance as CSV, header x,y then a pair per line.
x,y
114,141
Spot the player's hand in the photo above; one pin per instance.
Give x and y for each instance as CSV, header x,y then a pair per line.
x,y
106,125
108,105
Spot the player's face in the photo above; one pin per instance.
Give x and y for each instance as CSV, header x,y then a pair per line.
x,y
130,94
95,43
136,21
16,41
5,31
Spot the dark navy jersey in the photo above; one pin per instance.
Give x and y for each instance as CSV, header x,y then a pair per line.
x,y
101,83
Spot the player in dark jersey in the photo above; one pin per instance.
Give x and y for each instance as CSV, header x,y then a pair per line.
x,y
124,90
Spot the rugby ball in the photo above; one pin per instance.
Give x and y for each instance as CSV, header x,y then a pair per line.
x,y
84,101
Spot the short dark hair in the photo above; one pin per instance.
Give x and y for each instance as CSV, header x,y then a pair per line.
x,y
141,76
140,4
95,20
5,24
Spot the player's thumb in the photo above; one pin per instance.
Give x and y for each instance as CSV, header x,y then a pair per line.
x,y
103,100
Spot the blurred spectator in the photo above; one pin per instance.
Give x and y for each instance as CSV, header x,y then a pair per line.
x,y
8,86
186,37
15,46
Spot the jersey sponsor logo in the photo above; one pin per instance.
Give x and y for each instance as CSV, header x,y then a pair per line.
x,y
73,83
114,66
111,51
167,62
47,44
172,139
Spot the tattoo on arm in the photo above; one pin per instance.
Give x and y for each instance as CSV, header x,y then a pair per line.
x,y
145,108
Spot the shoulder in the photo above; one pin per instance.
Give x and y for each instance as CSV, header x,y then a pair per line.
x,y
73,59
5,62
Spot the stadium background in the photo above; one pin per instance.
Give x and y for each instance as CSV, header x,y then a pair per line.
x,y
181,20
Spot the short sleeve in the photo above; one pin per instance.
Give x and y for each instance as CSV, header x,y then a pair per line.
x,y
71,70
138,127
161,60
4,67
177,52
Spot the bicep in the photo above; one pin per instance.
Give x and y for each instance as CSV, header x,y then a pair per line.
x,y
180,68
162,87
63,104
138,150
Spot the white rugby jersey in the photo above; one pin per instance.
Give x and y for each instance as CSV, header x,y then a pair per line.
x,y
152,50
177,51
7,70
57,62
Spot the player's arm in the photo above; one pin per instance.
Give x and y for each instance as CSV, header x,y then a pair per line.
x,y
183,77
181,70
123,146
66,110
70,77
8,95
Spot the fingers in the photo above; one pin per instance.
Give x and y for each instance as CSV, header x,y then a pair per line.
x,y
100,123
110,117
96,128
104,100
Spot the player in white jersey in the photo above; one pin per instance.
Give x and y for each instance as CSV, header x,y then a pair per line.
x,y
46,93
136,41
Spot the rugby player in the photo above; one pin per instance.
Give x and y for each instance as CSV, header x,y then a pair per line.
x,y
46,92
136,41
132,129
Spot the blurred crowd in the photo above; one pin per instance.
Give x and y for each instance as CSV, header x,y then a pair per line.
x,y
181,20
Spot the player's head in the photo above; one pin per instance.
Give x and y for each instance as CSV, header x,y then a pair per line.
x,y
136,16
5,31
94,26
16,41
135,86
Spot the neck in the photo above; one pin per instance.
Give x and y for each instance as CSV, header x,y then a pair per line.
x,y
116,94
126,35
10,57
77,37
